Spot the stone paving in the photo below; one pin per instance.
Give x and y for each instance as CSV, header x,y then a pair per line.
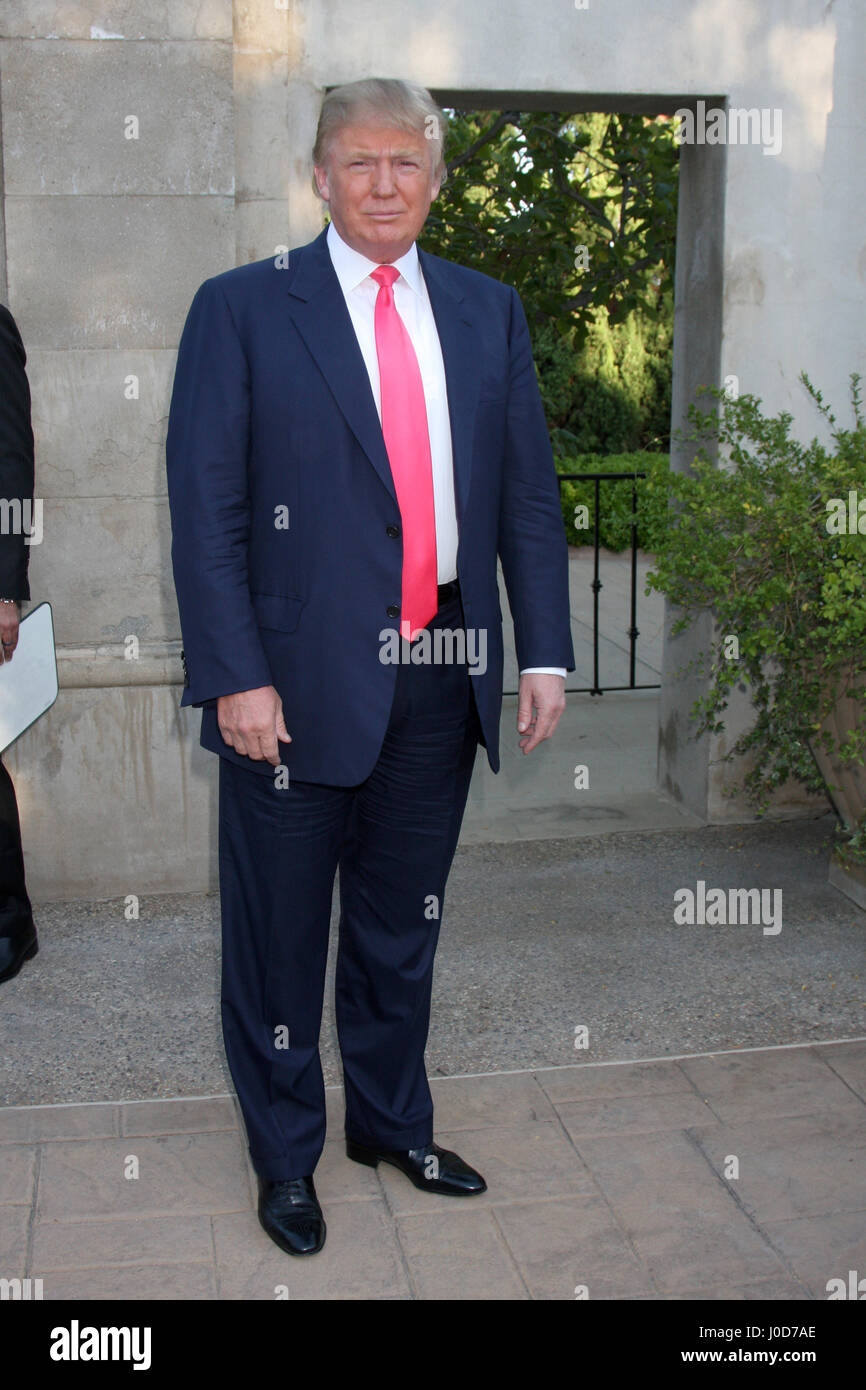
x,y
614,1178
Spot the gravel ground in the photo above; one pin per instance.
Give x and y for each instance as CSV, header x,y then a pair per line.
x,y
538,938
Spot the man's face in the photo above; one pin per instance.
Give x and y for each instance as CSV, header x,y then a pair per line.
x,y
378,183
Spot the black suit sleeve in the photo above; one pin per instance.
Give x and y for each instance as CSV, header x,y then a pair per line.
x,y
16,458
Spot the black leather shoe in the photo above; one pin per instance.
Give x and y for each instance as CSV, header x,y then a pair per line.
x,y
14,950
290,1213
431,1168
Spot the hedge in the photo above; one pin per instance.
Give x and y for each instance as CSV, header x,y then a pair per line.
x,y
615,498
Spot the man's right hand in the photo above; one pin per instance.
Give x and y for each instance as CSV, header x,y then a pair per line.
x,y
251,721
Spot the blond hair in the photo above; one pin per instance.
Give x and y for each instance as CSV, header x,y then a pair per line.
x,y
387,100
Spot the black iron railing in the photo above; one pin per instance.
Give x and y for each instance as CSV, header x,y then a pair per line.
x,y
633,631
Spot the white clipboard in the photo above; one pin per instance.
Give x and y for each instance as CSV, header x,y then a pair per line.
x,y
28,683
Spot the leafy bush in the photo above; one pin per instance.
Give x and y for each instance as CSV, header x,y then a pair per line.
x,y
612,394
615,498
753,543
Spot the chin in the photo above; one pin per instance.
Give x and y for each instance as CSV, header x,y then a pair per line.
x,y
389,240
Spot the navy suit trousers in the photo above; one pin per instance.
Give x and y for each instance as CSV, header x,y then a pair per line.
x,y
16,914
393,839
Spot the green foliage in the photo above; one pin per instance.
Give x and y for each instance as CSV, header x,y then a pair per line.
x,y
527,189
613,396
578,213
748,542
616,499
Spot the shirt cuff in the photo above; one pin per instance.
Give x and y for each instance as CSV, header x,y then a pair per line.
x,y
544,671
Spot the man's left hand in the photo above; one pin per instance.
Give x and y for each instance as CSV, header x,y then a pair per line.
x,y
540,702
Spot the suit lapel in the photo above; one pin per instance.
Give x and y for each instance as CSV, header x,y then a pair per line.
x,y
320,314
462,356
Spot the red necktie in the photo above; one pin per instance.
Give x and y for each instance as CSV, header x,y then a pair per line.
x,y
404,425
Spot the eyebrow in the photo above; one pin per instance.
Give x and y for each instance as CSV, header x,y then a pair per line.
x,y
395,154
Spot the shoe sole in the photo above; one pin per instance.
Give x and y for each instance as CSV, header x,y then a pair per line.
x,y
28,955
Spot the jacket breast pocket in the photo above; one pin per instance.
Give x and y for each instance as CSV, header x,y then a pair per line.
x,y
278,611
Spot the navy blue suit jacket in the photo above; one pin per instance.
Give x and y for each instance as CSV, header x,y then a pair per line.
x,y
16,454
272,410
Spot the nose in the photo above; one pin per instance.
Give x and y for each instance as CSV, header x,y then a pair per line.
x,y
384,183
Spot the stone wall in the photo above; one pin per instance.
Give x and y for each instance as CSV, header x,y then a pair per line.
x,y
105,239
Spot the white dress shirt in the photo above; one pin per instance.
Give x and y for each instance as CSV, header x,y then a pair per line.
x,y
412,302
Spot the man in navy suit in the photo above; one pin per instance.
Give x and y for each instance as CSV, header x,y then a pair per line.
x,y
356,433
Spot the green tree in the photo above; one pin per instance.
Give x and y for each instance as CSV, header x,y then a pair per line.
x,y
578,212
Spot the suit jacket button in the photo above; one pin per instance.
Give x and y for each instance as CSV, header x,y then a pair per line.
x,y
393,610
392,531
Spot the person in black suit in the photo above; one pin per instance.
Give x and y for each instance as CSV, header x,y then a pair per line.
x,y
17,929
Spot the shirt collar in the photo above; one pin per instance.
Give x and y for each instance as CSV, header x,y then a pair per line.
x,y
352,268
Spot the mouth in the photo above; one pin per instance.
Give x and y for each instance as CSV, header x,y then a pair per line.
x,y
384,216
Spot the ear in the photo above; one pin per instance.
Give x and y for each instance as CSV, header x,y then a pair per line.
x,y
321,176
